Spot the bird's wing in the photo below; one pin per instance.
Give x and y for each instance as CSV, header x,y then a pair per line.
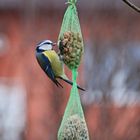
x,y
51,75
56,63
48,70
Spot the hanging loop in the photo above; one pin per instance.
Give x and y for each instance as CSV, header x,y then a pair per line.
x,y
71,2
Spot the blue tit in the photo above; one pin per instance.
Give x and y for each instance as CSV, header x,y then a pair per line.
x,y
50,62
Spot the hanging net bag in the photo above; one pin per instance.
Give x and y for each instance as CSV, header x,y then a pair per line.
x,y
70,39
73,125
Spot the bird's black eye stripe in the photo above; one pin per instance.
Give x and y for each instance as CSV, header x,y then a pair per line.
x,y
47,43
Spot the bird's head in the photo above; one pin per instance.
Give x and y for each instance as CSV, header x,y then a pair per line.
x,y
45,45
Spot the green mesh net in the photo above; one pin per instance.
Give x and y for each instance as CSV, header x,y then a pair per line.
x,y
70,20
70,39
73,125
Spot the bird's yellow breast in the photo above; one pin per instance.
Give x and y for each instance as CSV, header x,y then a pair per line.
x,y
56,64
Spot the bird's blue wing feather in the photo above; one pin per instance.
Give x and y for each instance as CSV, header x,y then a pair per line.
x,y
48,70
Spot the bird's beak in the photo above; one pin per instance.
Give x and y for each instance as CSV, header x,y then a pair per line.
x,y
53,44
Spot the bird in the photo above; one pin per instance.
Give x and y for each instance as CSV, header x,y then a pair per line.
x,y
51,63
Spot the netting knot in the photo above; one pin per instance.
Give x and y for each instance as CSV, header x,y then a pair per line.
x,y
74,75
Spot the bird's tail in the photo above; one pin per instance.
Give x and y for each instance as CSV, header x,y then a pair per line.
x,y
58,84
71,83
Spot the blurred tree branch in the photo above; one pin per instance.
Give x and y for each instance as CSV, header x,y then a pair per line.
x,y
132,5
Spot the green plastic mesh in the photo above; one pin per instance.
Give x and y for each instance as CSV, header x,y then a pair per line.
x,y
70,41
70,19
73,125
71,47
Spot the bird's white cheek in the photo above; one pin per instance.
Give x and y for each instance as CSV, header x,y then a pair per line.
x,y
43,47
46,47
49,47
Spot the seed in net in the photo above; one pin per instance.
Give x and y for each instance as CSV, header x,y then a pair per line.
x,y
65,41
66,58
74,129
67,34
66,50
70,49
79,38
74,43
71,46
79,45
72,65
73,55
77,63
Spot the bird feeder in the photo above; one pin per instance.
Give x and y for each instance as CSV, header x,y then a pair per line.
x,y
70,42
